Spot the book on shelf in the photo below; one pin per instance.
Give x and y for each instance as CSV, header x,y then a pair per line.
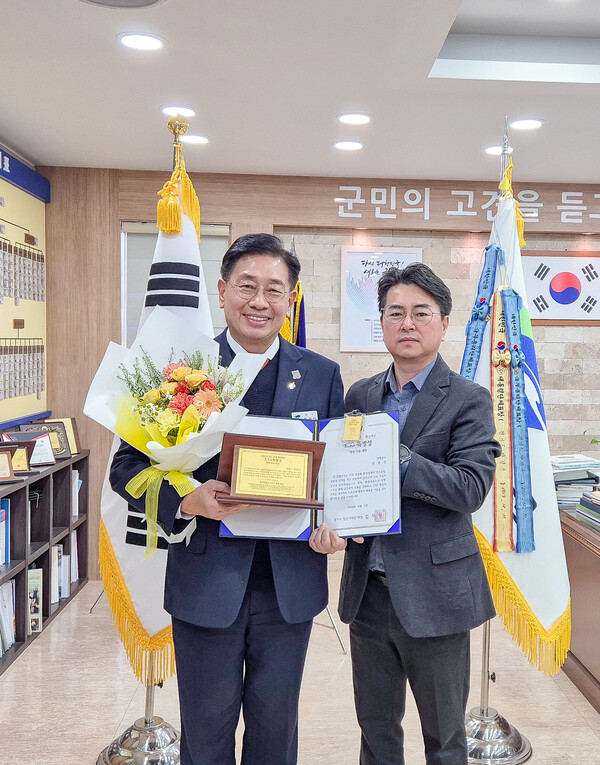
x,y
562,462
4,531
64,580
74,557
55,568
592,496
590,479
7,614
75,484
35,599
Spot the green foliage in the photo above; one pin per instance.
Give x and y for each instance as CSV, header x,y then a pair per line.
x,y
143,377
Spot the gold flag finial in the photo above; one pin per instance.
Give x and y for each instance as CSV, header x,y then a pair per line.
x,y
178,194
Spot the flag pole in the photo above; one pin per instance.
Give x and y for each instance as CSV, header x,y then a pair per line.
x,y
492,740
150,740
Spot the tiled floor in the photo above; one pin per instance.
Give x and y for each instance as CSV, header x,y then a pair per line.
x,y
72,691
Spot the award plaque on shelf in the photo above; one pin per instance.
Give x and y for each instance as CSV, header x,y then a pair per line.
x,y
21,458
72,433
264,471
6,465
58,436
42,452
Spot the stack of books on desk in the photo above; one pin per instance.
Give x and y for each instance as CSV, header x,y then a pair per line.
x,y
588,509
574,474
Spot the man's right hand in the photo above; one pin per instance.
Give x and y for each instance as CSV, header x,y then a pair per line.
x,y
327,541
203,501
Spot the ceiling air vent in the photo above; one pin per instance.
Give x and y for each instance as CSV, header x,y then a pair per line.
x,y
124,3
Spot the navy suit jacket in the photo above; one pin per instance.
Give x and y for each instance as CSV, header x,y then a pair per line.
x,y
436,578
206,580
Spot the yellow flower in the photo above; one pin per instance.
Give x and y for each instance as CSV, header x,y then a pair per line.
x,y
195,377
180,373
152,396
167,420
168,387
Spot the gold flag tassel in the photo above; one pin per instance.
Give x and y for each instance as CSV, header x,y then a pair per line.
x,y
506,188
289,331
546,650
139,647
178,196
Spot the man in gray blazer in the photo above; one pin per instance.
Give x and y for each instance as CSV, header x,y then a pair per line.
x,y
412,598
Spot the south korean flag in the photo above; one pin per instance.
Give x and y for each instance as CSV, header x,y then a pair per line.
x,y
563,288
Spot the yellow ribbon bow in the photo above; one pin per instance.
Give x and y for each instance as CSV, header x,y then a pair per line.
x,y
150,480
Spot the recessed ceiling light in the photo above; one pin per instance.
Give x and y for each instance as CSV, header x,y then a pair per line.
x,y
197,139
355,119
182,111
496,151
529,124
348,145
141,41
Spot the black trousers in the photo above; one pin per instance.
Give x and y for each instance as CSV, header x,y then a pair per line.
x,y
384,658
255,665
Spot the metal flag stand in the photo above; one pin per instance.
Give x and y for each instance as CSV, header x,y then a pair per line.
x,y
492,740
150,740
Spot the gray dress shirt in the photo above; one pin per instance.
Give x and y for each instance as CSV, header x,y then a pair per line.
x,y
400,401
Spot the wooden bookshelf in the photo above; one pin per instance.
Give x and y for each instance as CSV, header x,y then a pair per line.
x,y
37,525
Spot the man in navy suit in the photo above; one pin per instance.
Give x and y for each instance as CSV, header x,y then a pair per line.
x,y
412,598
242,609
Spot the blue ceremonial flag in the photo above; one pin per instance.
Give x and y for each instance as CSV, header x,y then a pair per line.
x,y
518,526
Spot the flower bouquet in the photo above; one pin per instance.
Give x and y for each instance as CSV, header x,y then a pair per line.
x,y
169,402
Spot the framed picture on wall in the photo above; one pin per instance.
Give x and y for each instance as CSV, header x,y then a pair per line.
x,y
563,287
360,329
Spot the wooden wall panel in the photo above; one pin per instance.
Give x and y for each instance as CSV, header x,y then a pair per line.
x,y
83,305
385,203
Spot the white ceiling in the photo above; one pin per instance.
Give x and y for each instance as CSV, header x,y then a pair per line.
x,y
268,78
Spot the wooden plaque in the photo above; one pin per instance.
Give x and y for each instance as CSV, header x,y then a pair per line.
x,y
58,436
235,445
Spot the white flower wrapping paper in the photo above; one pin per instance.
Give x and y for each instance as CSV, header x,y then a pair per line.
x,y
162,333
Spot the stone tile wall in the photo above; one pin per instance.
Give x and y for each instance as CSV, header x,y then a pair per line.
x,y
568,357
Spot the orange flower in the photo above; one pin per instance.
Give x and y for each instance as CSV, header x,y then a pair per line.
x,y
207,402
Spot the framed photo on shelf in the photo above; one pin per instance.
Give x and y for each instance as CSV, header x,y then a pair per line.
x,y
563,287
360,327
58,436
72,433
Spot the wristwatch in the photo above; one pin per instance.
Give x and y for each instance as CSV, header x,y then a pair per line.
x,y
404,454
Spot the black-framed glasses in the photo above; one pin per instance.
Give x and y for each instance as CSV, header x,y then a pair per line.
x,y
419,316
247,291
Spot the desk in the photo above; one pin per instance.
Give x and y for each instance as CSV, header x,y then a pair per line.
x,y
582,548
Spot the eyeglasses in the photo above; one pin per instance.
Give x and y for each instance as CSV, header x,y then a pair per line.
x,y
247,291
419,316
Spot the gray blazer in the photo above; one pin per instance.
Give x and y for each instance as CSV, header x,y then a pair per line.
x,y
435,573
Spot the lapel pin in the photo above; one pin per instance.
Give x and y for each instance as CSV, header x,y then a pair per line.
x,y
296,374
291,385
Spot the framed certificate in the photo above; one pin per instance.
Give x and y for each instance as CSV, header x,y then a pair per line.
x,y
359,482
